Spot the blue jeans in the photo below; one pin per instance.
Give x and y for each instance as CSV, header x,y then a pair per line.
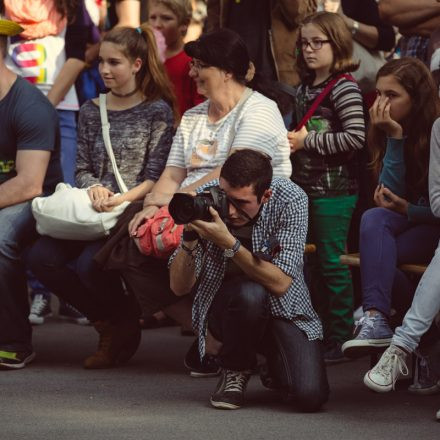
x,y
387,240
240,318
424,308
68,144
17,231
67,268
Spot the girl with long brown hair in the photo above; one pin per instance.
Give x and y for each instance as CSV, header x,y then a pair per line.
x,y
140,106
402,228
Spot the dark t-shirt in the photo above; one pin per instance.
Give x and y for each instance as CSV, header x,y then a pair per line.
x,y
28,121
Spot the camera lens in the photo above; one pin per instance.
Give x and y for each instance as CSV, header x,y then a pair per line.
x,y
182,208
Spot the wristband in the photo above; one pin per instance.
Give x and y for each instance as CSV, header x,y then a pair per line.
x,y
188,250
355,27
190,235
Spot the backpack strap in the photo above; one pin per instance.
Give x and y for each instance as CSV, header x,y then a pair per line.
x,y
320,98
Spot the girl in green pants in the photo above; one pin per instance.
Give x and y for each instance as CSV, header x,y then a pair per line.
x,y
324,163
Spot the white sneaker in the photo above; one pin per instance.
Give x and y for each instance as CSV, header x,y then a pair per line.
x,y
437,416
40,309
383,375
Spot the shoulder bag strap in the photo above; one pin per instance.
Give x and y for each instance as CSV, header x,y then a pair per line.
x,y
320,98
107,142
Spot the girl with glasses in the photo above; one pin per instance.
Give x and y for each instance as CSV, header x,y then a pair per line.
x,y
324,164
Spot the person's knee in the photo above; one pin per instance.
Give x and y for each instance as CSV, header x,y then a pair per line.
x,y
38,258
372,220
250,296
307,398
8,249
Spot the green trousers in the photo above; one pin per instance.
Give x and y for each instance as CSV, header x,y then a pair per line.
x,y
331,285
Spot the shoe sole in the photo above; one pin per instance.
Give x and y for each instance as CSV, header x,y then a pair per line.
x,y
200,375
79,321
224,405
374,386
38,320
434,389
358,348
26,361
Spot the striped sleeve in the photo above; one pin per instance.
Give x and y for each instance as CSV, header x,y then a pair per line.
x,y
347,101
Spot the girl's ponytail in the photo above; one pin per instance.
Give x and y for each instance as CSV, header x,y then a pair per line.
x,y
152,77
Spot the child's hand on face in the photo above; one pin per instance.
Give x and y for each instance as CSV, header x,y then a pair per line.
x,y
296,139
381,119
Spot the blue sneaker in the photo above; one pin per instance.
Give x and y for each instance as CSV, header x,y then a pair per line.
x,y
372,334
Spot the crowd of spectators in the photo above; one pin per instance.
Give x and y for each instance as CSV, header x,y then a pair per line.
x,y
300,121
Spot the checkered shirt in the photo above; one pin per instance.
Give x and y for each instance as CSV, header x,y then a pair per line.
x,y
285,217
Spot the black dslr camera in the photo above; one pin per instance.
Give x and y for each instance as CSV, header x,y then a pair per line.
x,y
185,208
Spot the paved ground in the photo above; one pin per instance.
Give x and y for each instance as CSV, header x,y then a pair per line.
x,y
154,398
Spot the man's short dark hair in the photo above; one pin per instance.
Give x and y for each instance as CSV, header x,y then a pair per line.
x,y
248,167
3,45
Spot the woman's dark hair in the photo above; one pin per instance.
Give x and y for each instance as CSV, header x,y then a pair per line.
x,y
248,167
226,50
67,8
151,78
333,27
417,80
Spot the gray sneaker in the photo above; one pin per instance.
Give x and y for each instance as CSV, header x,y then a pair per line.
x,y
437,416
372,333
426,382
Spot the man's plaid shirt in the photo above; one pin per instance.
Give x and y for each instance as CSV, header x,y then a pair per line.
x,y
285,217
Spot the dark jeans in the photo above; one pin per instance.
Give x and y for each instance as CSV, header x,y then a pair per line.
x,y
387,240
150,284
240,318
67,268
17,230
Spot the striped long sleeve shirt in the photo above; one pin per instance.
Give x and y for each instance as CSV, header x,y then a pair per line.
x,y
327,166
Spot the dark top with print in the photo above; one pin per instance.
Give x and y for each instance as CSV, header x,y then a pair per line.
x,y
28,121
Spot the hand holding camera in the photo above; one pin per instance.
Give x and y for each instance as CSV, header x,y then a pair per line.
x,y
205,214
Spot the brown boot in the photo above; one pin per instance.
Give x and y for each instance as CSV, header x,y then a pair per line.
x,y
118,342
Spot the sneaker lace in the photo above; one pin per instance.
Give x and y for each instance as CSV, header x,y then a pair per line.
x,y
366,323
236,380
391,365
38,304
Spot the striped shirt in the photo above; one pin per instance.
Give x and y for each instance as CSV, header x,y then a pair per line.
x,y
200,146
327,166
284,217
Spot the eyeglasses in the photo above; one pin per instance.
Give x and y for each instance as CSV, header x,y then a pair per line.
x,y
314,44
198,65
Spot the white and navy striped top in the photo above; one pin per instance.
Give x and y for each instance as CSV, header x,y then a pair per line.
x,y
327,166
199,146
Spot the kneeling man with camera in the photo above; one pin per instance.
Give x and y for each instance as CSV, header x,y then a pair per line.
x,y
243,261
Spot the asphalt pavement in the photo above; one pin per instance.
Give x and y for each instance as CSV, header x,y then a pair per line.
x,y
153,397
